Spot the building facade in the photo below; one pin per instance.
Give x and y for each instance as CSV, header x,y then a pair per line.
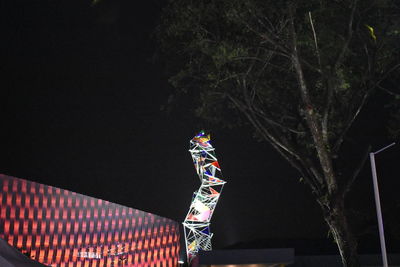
x,y
58,227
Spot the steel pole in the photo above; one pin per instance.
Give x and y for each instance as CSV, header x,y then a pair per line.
x,y
378,210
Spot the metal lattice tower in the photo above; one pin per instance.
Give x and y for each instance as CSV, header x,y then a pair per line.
x,y
197,221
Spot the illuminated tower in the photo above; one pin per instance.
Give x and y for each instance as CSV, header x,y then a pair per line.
x,y
197,222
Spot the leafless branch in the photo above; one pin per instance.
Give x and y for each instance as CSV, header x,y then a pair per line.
x,y
244,109
315,40
388,91
325,116
273,122
350,122
347,187
395,67
275,51
249,58
329,89
292,157
314,172
360,106
348,38
271,29
310,66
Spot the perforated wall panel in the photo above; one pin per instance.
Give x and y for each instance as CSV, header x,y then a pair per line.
x,y
61,228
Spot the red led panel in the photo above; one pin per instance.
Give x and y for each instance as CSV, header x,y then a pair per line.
x,y
61,228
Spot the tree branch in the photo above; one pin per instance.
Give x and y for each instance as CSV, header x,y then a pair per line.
x,y
268,136
388,91
292,157
349,36
311,117
325,116
315,40
347,187
350,122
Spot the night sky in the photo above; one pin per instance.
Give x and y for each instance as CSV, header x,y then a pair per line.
x,y
80,110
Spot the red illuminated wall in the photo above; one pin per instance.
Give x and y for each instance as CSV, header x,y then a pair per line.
x,y
61,228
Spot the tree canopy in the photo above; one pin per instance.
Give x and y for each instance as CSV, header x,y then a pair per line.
x,y
299,72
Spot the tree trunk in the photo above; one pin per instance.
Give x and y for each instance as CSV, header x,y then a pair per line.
x,y
336,219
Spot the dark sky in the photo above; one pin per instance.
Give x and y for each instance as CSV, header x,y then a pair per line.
x,y
81,111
